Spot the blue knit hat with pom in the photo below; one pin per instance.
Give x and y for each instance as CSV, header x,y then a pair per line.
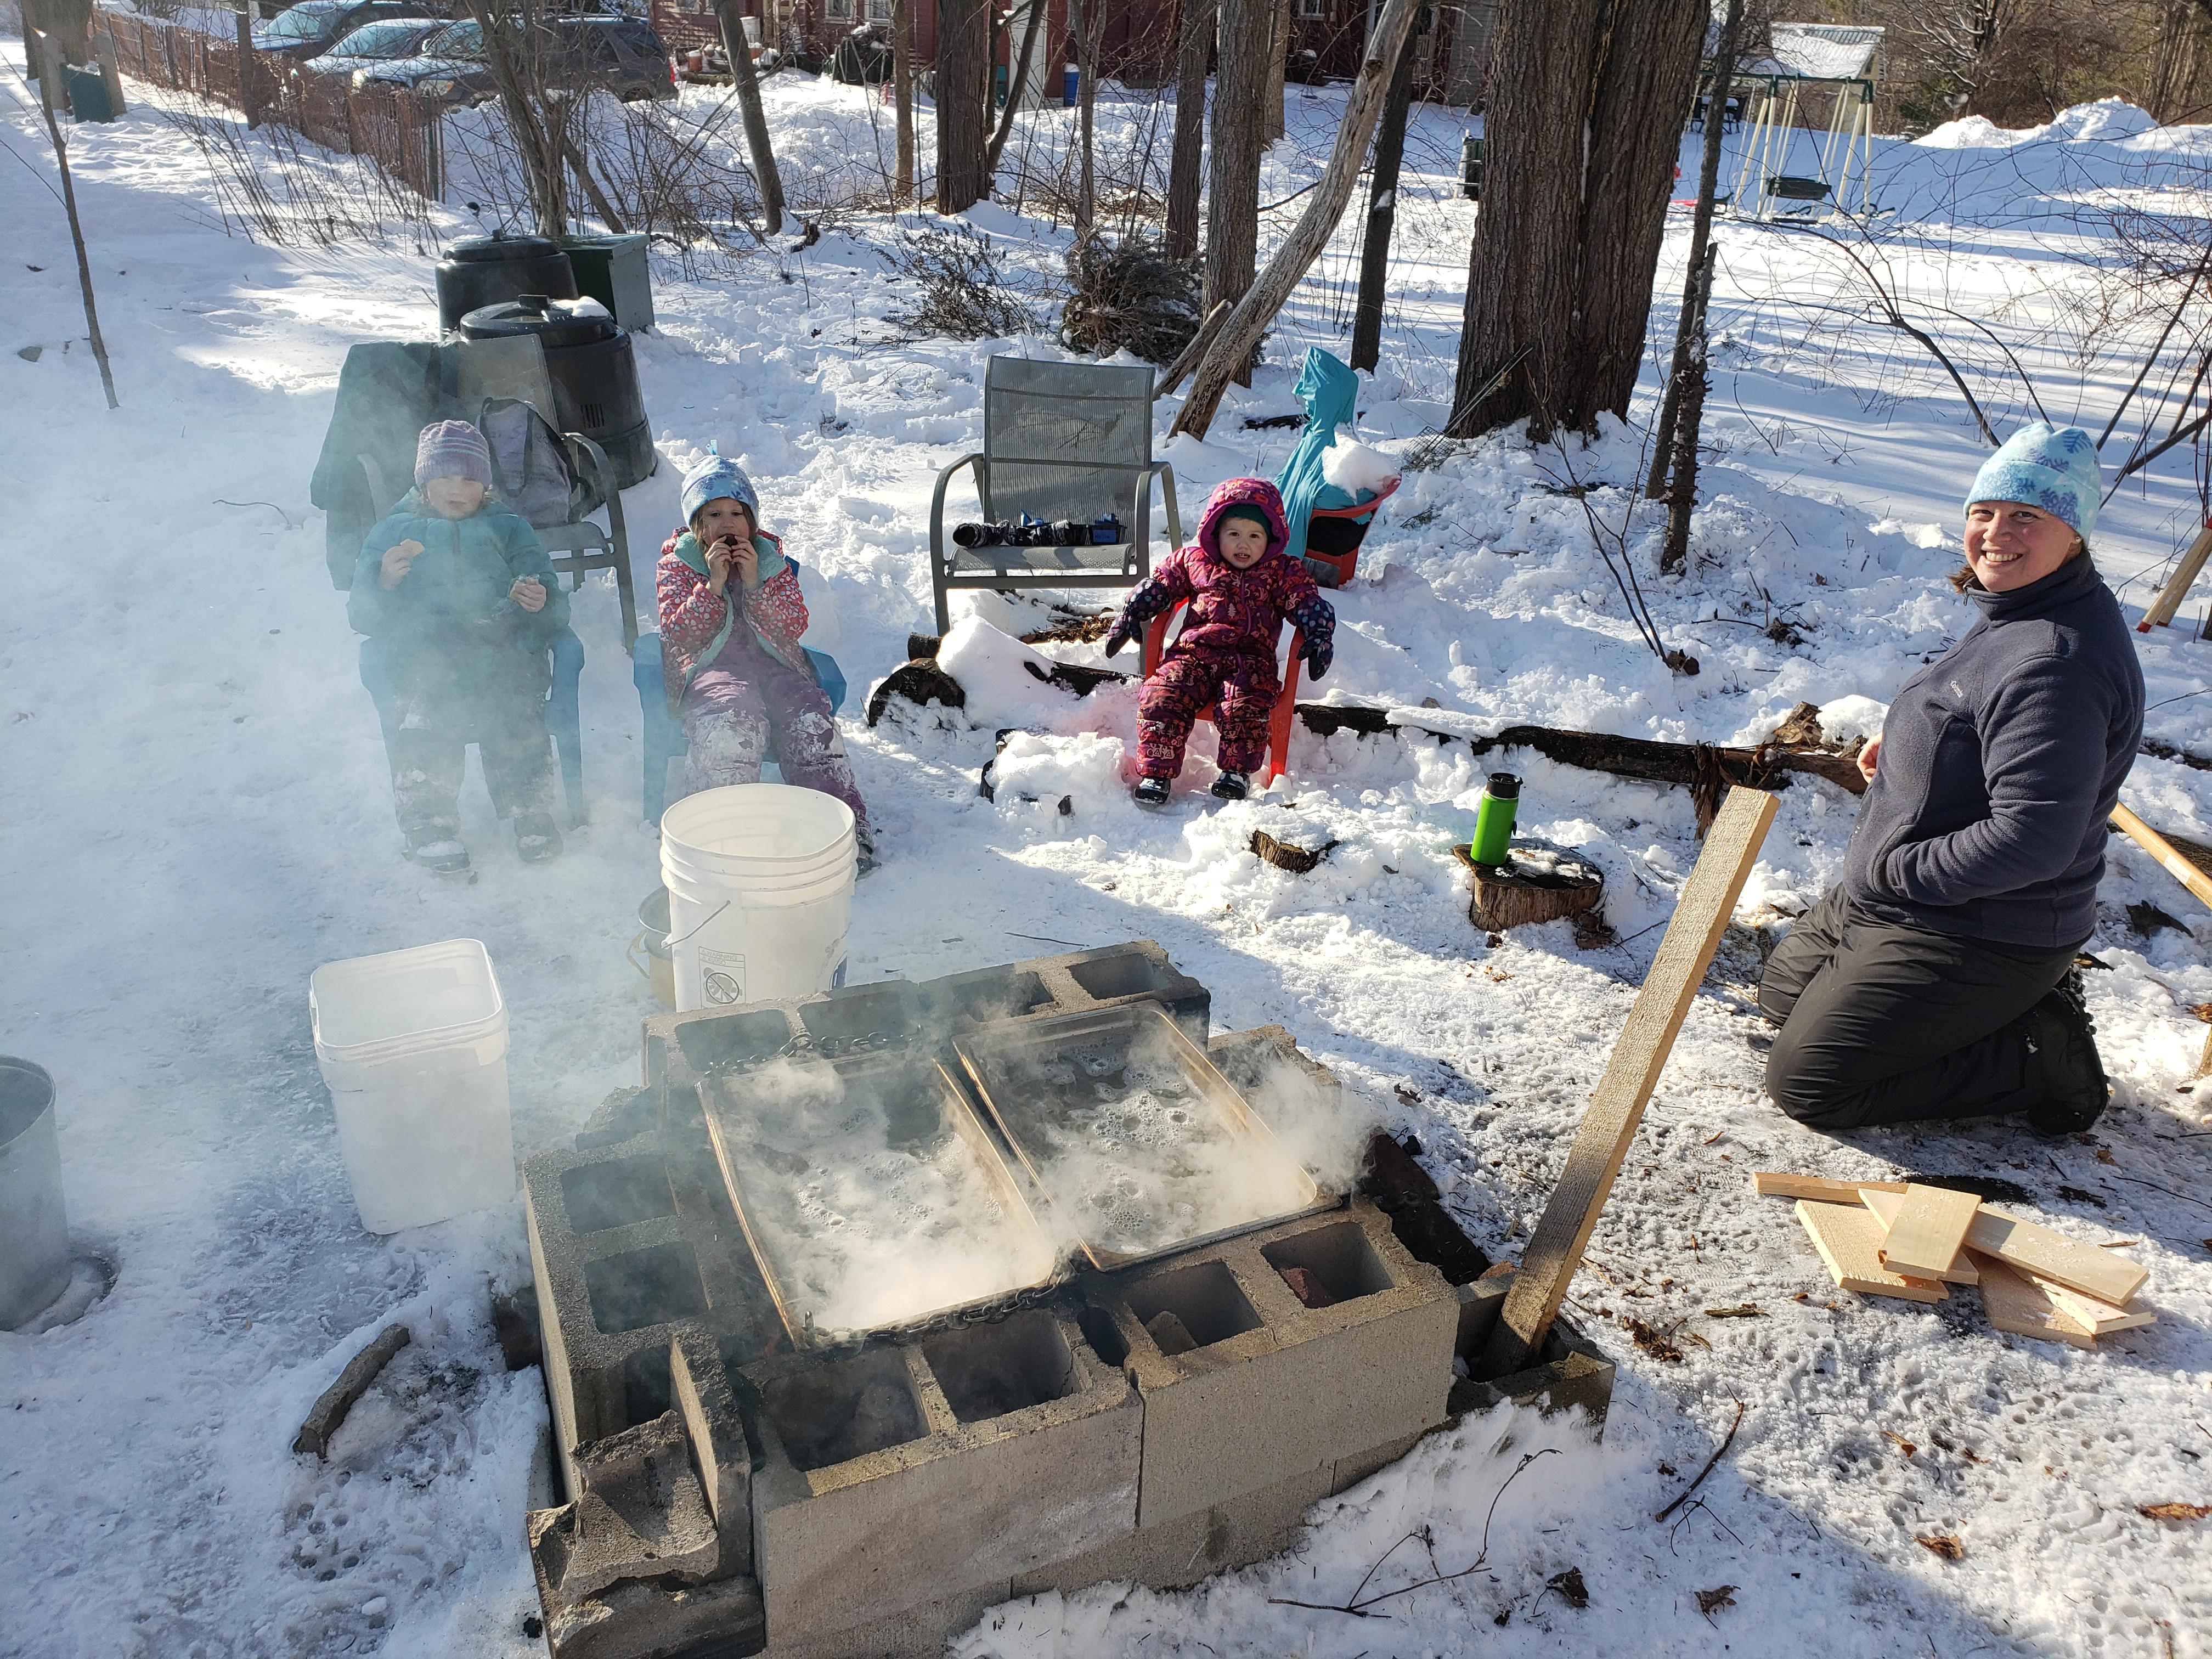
x,y
715,478
2051,467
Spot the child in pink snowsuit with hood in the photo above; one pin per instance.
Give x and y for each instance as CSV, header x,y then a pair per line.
x,y
731,616
1242,588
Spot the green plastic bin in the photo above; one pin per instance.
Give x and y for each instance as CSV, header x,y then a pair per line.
x,y
613,270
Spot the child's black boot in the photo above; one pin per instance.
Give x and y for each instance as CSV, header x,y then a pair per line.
x,y
535,837
1232,785
1150,791
438,849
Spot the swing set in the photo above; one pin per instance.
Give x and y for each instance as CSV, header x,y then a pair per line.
x,y
1839,60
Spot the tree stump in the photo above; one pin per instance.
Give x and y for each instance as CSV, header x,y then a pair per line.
x,y
1541,884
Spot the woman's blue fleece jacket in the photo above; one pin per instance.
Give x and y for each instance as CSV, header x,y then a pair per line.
x,y
2000,764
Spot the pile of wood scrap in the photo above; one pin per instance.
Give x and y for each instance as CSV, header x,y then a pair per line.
x,y
1895,1238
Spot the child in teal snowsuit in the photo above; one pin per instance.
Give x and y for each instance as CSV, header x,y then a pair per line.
x,y
459,591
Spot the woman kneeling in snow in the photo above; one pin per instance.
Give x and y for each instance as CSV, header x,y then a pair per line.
x,y
1937,981
731,616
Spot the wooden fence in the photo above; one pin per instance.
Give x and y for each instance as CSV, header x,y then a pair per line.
x,y
397,130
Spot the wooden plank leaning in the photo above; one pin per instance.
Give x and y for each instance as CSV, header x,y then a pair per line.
x,y
2170,597
1555,1249
2177,863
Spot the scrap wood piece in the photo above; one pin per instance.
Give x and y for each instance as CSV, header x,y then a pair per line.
x,y
2174,1511
2017,1303
1959,1270
334,1402
1286,855
1777,1183
1555,1249
2160,609
2046,1254
2101,1318
1926,1231
1849,1240
2173,852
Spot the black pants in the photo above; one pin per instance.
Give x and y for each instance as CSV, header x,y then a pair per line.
x,y
456,691
1884,1023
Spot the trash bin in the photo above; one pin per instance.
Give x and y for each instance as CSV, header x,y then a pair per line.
x,y
1071,85
589,360
613,270
482,270
88,95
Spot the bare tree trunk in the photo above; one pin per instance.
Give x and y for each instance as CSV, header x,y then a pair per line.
x,y
1015,82
1581,134
1698,280
1232,193
1682,496
49,75
1195,49
1278,53
1240,336
964,103
902,96
1382,212
539,120
1090,29
247,90
758,147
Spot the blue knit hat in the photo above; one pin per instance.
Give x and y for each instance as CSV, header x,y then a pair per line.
x,y
715,479
451,449
2052,467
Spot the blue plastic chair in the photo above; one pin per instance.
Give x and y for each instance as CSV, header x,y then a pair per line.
x,y
560,714
664,731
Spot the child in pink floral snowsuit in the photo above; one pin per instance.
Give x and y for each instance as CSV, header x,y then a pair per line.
x,y
1242,588
731,616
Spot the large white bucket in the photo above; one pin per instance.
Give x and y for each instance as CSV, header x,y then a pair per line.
x,y
413,1045
760,893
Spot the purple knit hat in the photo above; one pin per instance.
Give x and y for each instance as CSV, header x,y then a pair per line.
x,y
1250,495
451,449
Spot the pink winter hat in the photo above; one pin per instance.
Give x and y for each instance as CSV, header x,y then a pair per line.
x,y
451,449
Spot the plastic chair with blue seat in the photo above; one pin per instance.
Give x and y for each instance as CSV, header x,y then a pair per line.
x,y
664,731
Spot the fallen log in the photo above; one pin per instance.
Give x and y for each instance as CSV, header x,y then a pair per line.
x,y
334,1402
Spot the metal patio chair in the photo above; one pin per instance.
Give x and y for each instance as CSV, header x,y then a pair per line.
x,y
1060,441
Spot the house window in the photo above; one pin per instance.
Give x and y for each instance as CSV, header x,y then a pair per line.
x,y
1313,9
879,11
838,11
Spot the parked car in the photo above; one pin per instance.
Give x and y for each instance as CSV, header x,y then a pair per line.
x,y
312,27
621,55
387,42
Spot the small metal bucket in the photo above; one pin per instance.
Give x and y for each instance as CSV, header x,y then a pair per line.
x,y
34,1252
648,951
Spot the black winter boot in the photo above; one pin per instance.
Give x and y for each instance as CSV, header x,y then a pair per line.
x,y
536,838
2062,1046
1150,791
437,849
1232,785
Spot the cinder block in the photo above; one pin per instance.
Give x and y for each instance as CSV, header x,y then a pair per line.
x,y
1274,1388
644,1620
917,1632
1572,1373
943,1466
624,1276
1233,1534
1348,1472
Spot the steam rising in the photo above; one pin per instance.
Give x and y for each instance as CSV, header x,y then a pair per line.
x,y
869,1209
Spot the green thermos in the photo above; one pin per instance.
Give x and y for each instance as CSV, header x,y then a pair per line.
x,y
1493,820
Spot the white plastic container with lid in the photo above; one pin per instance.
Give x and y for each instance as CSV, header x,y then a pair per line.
x,y
760,892
413,1045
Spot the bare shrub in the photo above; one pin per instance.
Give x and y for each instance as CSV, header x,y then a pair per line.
x,y
964,294
278,187
1129,294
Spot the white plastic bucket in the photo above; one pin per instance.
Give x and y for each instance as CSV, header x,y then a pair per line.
x,y
760,893
413,1045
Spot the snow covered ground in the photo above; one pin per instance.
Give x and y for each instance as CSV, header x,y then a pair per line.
x,y
196,814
